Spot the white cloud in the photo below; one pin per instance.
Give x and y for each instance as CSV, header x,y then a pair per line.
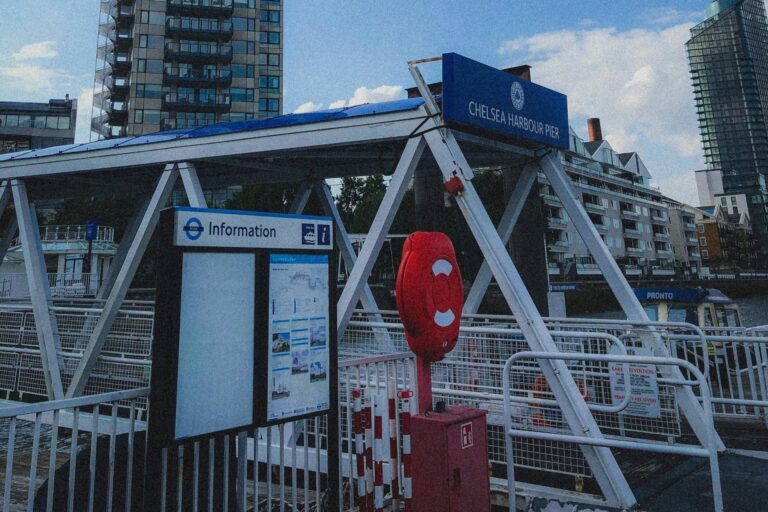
x,y
41,50
636,81
376,95
84,112
30,78
361,95
308,107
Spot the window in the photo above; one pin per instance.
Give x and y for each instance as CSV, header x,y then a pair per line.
x,y
700,227
269,83
724,201
244,47
152,17
25,121
266,16
241,94
269,59
12,120
704,254
702,240
243,24
150,91
269,37
733,200
146,116
243,71
245,3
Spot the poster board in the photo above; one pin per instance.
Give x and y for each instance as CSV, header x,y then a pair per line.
x,y
212,342
299,330
644,397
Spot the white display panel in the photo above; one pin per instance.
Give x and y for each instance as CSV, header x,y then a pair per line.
x,y
297,345
216,343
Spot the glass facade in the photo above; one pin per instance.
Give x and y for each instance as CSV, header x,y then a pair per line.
x,y
175,64
728,60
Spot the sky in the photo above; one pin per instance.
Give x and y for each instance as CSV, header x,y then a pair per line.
x,y
620,60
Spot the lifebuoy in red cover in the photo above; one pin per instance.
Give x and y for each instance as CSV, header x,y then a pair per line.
x,y
430,294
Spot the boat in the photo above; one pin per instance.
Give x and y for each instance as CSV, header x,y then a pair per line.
x,y
703,307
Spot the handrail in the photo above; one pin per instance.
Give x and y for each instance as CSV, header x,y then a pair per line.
x,y
69,403
498,330
710,443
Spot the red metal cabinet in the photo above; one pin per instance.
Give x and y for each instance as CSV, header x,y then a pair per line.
x,y
450,461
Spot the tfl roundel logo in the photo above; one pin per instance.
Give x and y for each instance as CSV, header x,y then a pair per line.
x,y
518,96
193,228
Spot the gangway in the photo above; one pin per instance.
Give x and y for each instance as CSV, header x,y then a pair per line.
x,y
304,150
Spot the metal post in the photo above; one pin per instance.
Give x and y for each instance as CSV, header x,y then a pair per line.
x,y
450,159
39,291
123,280
358,276
303,194
506,227
192,185
8,236
348,255
122,250
561,185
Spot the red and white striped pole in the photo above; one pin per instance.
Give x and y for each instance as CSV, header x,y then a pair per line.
x,y
405,416
368,425
394,467
378,453
357,422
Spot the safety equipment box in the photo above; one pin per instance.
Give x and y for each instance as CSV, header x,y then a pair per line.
x,y
450,461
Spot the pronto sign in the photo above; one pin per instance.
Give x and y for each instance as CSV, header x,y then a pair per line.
x,y
197,227
484,97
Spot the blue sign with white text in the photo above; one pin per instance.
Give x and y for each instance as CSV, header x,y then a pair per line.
x,y
91,230
484,97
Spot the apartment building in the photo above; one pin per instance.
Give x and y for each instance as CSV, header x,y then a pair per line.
x,y
630,215
683,237
180,64
727,240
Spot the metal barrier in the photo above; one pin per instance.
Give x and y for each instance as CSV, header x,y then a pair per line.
x,y
66,430
708,448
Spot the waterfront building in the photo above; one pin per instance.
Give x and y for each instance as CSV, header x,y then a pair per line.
x,y
683,237
728,58
630,214
726,239
26,126
176,64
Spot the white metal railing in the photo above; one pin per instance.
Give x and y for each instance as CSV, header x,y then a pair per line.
x,y
72,432
72,233
708,448
16,285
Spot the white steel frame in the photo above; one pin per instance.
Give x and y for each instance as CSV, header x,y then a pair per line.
x,y
420,128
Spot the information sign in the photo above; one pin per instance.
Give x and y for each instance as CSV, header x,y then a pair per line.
x,y
91,230
480,96
299,330
644,398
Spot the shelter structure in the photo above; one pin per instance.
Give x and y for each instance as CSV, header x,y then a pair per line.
x,y
399,139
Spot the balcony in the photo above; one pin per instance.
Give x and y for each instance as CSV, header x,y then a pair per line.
x,y
557,223
189,102
630,213
594,206
558,245
119,60
692,241
203,53
221,78
635,233
183,124
199,28
659,218
117,109
551,198
200,7
661,236
689,226
633,249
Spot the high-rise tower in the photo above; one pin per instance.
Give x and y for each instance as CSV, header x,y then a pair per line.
x,y
174,64
728,58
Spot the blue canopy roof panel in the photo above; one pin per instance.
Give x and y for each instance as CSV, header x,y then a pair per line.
x,y
225,128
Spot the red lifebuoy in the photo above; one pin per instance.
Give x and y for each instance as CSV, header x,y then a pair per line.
x,y
430,294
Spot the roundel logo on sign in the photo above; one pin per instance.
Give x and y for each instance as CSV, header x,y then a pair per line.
x,y
430,294
193,228
518,96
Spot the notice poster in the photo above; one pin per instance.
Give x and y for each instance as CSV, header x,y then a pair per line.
x,y
644,398
298,353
